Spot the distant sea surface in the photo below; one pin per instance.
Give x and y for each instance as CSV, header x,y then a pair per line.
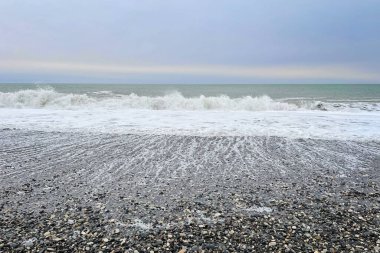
x,y
328,111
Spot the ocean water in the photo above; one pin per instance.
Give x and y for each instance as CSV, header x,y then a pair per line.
x,y
287,110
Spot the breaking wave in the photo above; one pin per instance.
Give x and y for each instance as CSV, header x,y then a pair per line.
x,y
49,98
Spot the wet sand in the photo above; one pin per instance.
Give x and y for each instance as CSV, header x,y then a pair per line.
x,y
162,193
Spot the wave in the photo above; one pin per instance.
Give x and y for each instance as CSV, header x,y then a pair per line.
x,y
43,97
49,98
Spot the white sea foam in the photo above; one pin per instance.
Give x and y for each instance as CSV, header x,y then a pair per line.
x,y
48,110
260,209
141,225
292,124
49,98
42,98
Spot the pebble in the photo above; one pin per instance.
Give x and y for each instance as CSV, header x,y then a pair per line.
x,y
29,242
271,244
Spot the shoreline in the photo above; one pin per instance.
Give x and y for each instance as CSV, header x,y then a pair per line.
x,y
162,193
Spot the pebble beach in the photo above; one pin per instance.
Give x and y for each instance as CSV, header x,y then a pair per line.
x,y
75,192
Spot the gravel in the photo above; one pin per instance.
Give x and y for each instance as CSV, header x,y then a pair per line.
x,y
281,196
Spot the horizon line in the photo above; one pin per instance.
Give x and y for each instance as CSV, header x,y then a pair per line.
x,y
294,72
125,83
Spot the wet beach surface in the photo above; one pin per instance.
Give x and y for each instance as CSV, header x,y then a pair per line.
x,y
69,192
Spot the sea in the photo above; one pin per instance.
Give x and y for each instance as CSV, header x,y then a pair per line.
x,y
318,111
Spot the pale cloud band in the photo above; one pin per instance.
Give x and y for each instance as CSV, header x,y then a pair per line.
x,y
274,72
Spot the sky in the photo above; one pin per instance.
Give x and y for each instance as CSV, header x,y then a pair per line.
x,y
190,41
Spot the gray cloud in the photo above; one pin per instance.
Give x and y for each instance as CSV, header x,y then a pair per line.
x,y
241,34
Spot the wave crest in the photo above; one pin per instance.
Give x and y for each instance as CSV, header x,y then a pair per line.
x,y
49,98
40,98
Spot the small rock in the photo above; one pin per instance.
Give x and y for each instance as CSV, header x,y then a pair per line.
x,y
56,239
29,242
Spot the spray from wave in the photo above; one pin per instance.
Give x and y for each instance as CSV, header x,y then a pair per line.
x,y
49,98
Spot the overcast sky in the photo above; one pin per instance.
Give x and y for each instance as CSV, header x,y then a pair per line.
x,y
190,41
